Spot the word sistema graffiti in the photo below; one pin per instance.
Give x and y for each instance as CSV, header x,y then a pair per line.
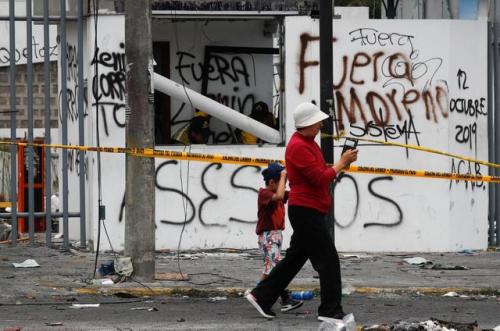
x,y
378,85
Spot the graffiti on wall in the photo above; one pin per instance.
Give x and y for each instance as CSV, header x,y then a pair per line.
x,y
376,87
391,84
467,112
108,86
21,49
72,91
195,209
232,81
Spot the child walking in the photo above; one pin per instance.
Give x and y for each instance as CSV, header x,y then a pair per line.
x,y
271,222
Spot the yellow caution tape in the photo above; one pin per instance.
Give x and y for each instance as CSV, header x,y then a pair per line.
x,y
423,173
242,160
419,148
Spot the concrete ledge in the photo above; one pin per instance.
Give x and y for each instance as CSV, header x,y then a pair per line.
x,y
238,292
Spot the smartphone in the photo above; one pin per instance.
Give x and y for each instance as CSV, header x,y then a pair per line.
x,y
349,144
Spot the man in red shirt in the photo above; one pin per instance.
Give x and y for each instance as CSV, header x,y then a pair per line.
x,y
271,222
308,204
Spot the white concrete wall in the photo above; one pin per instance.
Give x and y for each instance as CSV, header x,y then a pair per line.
x,y
247,78
390,213
218,203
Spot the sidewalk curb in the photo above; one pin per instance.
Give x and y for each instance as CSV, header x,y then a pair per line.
x,y
238,292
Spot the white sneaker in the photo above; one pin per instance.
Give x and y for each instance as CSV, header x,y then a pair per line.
x,y
267,313
330,320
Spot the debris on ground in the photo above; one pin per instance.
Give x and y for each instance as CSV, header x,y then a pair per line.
x,y
376,327
124,295
416,260
347,289
5,229
145,308
54,324
107,268
171,276
459,326
84,305
29,263
215,299
454,294
439,266
103,281
123,266
434,324
347,324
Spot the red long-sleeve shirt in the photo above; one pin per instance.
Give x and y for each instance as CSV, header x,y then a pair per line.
x,y
308,175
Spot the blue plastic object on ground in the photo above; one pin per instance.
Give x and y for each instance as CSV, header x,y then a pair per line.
x,y
302,295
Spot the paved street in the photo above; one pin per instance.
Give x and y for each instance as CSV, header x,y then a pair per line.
x,y
236,314
380,288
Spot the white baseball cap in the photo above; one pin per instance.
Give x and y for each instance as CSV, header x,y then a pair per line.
x,y
307,114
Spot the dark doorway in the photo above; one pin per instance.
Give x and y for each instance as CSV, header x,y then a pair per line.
x,y
161,54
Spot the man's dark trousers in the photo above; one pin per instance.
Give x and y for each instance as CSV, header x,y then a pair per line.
x,y
310,240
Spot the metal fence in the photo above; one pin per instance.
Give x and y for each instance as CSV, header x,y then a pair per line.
x,y
14,215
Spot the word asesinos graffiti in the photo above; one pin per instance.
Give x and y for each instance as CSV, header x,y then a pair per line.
x,y
192,210
396,75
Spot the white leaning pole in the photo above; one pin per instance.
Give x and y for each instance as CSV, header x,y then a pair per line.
x,y
216,109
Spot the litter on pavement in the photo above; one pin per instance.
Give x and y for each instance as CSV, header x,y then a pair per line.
x,y
454,294
416,260
347,324
54,323
215,299
439,266
145,308
171,276
123,266
29,263
84,305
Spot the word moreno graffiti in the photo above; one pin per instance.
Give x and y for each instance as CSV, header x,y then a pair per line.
x,y
396,75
